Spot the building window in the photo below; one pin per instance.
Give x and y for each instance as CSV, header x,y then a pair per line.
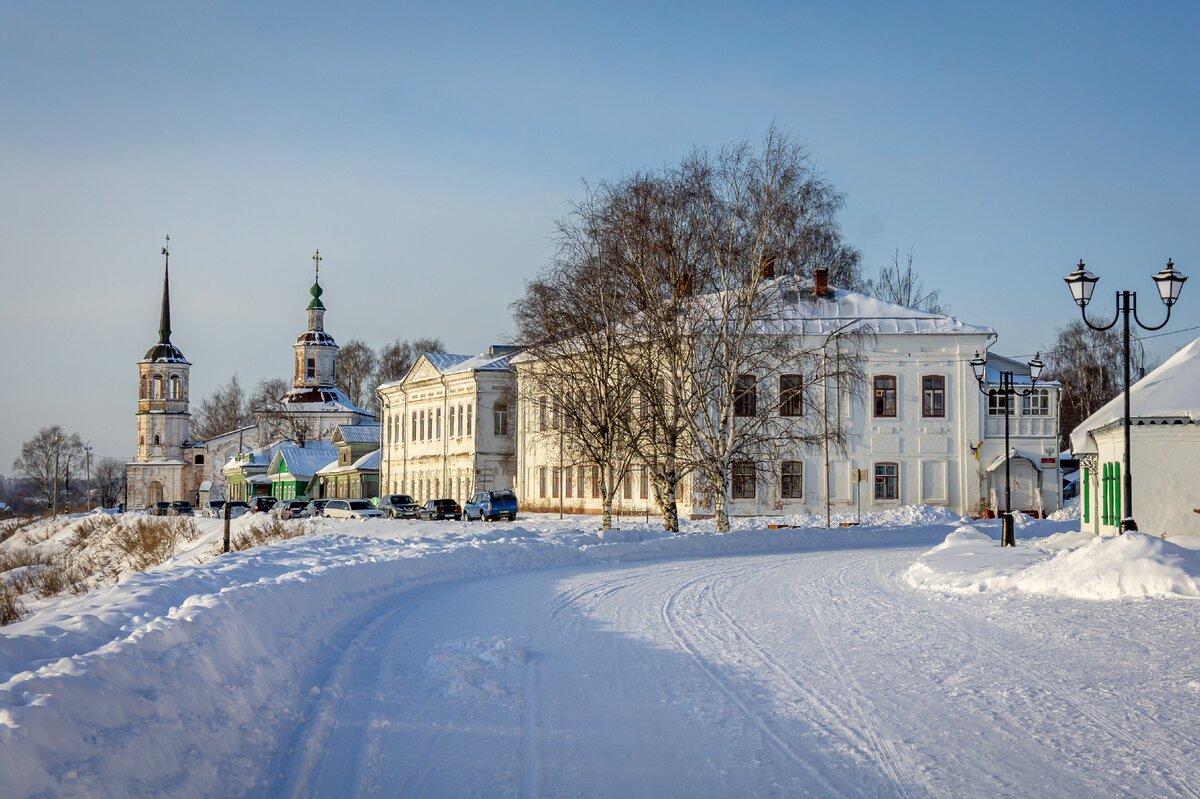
x,y
555,479
579,482
541,482
175,387
1037,403
156,391
745,396
627,485
439,424
469,421
569,487
998,402
414,427
199,460
500,419
142,388
792,480
541,414
595,482
310,368
791,395
933,395
887,481
422,426
885,395
744,482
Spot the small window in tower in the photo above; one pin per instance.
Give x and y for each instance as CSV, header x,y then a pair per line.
x,y
142,388
310,368
157,442
175,394
199,460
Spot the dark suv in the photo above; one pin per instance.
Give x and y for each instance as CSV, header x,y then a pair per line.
x,y
440,509
491,505
181,508
262,504
399,506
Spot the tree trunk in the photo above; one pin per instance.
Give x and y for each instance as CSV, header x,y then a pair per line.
x,y
606,506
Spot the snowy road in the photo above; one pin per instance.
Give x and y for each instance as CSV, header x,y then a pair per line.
x,y
808,674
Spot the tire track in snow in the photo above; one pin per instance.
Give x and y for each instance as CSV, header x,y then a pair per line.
x,y
1179,785
306,771
878,748
671,620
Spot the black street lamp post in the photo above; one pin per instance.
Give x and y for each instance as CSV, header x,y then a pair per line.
x,y
1008,390
1170,284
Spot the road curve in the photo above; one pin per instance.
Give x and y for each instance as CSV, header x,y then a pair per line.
x,y
809,674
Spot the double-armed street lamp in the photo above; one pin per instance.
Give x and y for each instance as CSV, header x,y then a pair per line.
x,y
1008,390
1169,283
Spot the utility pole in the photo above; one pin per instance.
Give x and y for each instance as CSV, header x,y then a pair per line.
x,y
56,441
87,459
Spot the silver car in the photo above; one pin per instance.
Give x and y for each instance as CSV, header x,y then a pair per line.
x,y
351,509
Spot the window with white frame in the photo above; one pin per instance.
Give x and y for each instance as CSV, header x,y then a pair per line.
x,y
887,481
998,402
791,480
500,418
1037,403
744,480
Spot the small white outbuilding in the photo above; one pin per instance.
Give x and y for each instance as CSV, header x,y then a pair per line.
x,y
1164,452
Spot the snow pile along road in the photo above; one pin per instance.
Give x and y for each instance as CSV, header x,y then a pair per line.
x,y
1077,565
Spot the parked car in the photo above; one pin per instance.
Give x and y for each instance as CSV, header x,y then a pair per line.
x,y
262,504
159,509
290,509
351,509
238,508
213,509
313,509
399,506
491,505
181,508
440,509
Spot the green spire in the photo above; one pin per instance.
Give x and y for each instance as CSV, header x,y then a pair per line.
x,y
316,291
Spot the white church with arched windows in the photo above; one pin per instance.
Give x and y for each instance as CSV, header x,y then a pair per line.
x,y
170,467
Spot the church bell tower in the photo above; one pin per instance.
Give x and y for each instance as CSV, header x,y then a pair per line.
x,y
163,417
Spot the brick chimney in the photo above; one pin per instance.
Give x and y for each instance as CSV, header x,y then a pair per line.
x,y
821,282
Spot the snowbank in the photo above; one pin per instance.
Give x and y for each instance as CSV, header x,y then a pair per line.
x,y
1075,564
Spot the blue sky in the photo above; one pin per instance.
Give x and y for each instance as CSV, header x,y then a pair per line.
x,y
426,150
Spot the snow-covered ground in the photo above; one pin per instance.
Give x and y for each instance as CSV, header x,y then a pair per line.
x,y
544,657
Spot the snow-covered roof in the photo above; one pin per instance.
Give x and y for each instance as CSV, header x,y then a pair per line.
x,y
496,360
256,457
323,399
1170,392
304,461
802,312
367,463
359,433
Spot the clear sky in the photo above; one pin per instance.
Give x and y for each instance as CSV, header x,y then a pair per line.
x,y
427,148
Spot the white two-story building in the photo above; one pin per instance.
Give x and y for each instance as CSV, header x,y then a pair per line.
x,y
918,432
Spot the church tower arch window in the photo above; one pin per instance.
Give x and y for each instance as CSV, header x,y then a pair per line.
x,y
142,388
175,392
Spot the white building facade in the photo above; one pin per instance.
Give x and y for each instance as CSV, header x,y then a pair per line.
x,y
916,433
1164,453
449,426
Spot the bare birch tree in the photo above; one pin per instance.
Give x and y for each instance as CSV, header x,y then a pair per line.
x,y
902,285
569,322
